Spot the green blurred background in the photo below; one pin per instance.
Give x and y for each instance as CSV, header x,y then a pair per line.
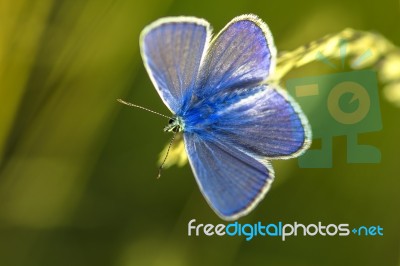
x,y
77,169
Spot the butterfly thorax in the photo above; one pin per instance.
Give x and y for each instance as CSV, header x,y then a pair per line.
x,y
206,114
175,124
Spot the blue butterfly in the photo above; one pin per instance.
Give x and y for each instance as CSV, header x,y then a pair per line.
x,y
233,121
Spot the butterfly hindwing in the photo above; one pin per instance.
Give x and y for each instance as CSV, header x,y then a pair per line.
x,y
242,53
172,49
261,121
231,181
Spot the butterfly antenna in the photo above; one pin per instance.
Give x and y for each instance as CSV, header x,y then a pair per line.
x,y
140,107
166,155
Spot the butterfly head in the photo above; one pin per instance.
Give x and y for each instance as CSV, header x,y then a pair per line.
x,y
175,124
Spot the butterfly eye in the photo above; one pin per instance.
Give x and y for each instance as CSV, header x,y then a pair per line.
x,y
171,121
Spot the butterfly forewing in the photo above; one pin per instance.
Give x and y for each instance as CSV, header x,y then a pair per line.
x,y
231,181
172,49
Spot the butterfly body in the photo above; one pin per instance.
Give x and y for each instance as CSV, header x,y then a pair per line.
x,y
175,124
233,120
